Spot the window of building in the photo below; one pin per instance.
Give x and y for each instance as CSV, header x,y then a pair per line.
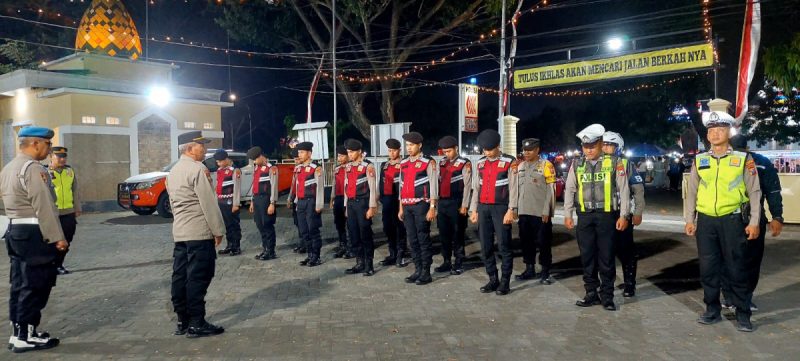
x,y
112,120
208,125
88,119
189,125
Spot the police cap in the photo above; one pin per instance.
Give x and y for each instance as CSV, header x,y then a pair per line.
x,y
341,150
192,137
413,137
448,142
220,154
392,143
489,139
591,134
530,144
352,144
307,146
254,152
60,152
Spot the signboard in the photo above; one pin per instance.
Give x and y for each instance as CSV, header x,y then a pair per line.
x,y
468,108
673,60
316,133
382,132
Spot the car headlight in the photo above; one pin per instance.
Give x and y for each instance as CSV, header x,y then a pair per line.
x,y
144,185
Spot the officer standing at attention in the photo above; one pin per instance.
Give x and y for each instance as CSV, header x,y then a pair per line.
x,y
301,246
537,201
389,188
361,204
198,228
418,197
597,185
33,239
771,192
308,194
724,197
623,243
265,196
455,184
337,203
494,207
67,201
229,185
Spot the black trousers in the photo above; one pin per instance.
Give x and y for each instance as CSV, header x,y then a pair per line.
x,y
491,228
32,273
536,235
193,266
340,220
264,222
418,230
360,228
722,251
309,223
452,229
595,233
394,229
233,228
69,223
626,252
753,258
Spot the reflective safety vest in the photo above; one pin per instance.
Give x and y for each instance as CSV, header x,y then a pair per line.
x,y
415,183
225,182
389,178
338,174
62,184
262,180
451,178
596,187
493,178
305,181
357,185
722,190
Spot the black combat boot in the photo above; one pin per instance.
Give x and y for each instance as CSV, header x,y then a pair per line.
x,y
457,268
492,285
390,259
358,268
204,329
709,317
417,272
424,276
743,323
224,251
529,274
445,267
30,340
591,299
544,278
314,261
369,270
505,286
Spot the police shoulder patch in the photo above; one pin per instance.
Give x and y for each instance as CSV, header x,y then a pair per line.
x,y
237,173
370,171
318,170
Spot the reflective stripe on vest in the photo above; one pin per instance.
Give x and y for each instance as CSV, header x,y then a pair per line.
x,y
357,185
601,182
451,177
414,178
262,180
493,179
389,178
62,182
338,174
722,190
306,183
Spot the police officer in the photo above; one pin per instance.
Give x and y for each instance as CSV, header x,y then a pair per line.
x,y
493,207
197,228
337,203
394,229
265,196
33,238
308,195
228,190
418,197
724,224
770,186
623,243
455,184
67,201
361,204
597,185
301,246
537,200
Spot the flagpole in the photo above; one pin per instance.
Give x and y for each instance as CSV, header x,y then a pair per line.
x,y
333,51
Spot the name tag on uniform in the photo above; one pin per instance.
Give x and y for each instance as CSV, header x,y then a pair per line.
x,y
501,164
397,166
418,165
308,169
735,161
705,163
360,168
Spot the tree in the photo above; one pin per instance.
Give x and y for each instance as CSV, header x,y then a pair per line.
x,y
379,37
782,63
775,116
15,55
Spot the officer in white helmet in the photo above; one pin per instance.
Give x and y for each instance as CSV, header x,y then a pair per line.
x,y
623,240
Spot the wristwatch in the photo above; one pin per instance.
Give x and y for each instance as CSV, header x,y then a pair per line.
x,y
779,219
433,206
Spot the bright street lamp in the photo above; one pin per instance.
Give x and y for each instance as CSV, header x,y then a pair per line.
x,y
614,43
159,96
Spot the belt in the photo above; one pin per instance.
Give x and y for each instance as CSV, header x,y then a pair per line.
x,y
223,196
32,220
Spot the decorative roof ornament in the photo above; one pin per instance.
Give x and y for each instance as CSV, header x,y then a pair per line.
x,y
107,28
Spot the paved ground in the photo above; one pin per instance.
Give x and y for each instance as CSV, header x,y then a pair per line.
x,y
116,304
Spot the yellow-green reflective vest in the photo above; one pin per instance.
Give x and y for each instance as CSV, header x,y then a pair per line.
x,y
596,185
722,190
62,182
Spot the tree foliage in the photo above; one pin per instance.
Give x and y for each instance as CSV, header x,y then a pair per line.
x,y
15,55
782,63
775,116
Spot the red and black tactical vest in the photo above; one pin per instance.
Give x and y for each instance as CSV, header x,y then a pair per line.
x,y
389,178
415,184
338,174
225,182
494,177
357,185
305,181
262,180
451,178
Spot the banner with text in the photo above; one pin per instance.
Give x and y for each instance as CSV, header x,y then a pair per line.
x,y
468,108
674,60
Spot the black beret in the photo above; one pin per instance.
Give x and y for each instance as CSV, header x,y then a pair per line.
x,y
739,142
448,142
489,139
352,144
392,143
530,143
254,153
308,146
341,150
294,153
220,154
413,137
